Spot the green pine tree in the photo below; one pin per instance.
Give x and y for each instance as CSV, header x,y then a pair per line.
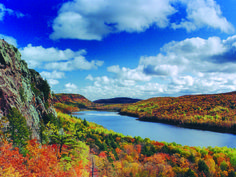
x,y
61,139
18,130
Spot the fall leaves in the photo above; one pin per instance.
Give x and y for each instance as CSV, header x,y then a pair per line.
x,y
41,160
211,112
70,146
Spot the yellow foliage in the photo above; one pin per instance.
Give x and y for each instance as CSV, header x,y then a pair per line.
x,y
10,172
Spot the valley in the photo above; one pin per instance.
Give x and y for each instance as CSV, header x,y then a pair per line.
x,y
38,140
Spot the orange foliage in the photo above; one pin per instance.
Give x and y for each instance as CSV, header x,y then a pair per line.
x,y
11,160
40,161
215,112
102,154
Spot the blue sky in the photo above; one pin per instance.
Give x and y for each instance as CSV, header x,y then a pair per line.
x,y
131,48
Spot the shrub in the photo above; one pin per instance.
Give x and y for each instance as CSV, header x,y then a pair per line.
x,y
22,94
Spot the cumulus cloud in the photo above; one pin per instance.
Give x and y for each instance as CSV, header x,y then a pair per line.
x,y
191,66
9,39
6,11
203,13
53,82
75,64
55,59
105,87
71,88
52,77
194,54
129,74
81,19
195,65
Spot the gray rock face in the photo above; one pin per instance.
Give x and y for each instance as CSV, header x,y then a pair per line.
x,y
20,87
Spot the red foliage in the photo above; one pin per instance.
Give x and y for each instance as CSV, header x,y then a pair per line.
x,y
41,160
103,154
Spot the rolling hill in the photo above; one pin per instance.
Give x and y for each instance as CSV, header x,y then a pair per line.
x,y
118,100
215,112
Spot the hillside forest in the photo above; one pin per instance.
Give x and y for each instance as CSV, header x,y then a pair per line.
x,y
216,112
70,146
48,143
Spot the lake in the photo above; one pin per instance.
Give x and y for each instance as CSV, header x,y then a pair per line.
x,y
158,131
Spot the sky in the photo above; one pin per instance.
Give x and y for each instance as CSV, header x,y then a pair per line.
x,y
126,48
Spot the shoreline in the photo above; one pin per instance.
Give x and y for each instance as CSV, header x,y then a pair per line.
x,y
196,126
204,127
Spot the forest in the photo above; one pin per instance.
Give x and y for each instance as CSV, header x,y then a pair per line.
x,y
69,103
71,146
216,112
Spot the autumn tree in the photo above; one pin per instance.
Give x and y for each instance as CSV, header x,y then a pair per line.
x,y
62,139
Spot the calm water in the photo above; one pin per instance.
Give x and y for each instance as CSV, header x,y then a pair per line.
x,y
158,131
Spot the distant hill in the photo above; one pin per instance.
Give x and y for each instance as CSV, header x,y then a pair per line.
x,y
69,103
72,99
118,100
215,112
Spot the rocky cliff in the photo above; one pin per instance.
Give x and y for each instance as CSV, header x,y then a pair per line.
x,y
23,88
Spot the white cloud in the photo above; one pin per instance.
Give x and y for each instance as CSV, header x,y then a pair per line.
x,y
129,74
183,80
192,55
4,11
89,77
203,13
71,88
86,20
191,66
81,19
55,59
113,89
53,81
75,64
106,87
9,39
52,75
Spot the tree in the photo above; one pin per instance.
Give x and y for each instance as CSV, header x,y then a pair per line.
x,y
85,123
202,167
18,130
62,139
45,88
189,173
43,137
50,118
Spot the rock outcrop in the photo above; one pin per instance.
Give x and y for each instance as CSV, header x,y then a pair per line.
x,y
23,89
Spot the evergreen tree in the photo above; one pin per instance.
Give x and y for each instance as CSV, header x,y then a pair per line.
x,y
43,137
18,130
202,167
45,88
85,123
61,139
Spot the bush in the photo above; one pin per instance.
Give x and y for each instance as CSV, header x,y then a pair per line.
x,y
22,94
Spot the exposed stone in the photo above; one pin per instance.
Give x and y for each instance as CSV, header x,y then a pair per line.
x,y
15,76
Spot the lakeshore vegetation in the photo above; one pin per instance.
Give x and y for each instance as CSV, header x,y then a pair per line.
x,y
71,146
216,112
